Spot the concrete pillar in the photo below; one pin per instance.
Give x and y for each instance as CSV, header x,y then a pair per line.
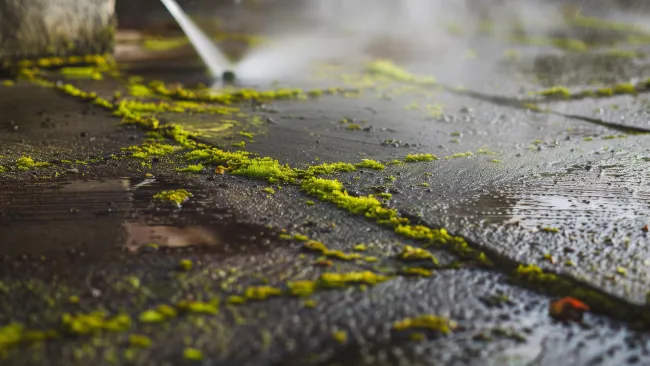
x,y
39,28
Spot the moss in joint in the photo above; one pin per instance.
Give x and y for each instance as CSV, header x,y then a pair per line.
x,y
27,163
412,158
177,196
427,322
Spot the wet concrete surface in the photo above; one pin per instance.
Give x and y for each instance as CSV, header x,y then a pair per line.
x,y
85,233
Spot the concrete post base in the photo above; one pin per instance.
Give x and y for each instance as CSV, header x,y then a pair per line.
x,y
40,28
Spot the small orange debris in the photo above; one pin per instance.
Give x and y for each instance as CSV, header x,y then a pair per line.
x,y
220,170
568,309
645,228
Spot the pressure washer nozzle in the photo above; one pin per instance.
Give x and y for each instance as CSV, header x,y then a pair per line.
x,y
228,76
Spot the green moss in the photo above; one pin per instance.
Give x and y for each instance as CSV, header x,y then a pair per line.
x,y
551,229
150,149
412,253
301,237
82,73
261,292
2,169
192,354
496,161
371,164
195,169
425,184
416,271
239,144
198,307
329,168
185,264
388,69
265,168
340,336
246,134
165,44
176,196
428,322
301,288
557,91
269,190
27,163
411,158
360,247
139,341
80,324
460,155
625,88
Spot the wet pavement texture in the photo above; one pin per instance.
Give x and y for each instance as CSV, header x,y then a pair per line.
x,y
247,270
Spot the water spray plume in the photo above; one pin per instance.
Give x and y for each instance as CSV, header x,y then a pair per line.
x,y
216,62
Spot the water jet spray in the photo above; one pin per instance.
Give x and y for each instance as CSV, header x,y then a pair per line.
x,y
216,62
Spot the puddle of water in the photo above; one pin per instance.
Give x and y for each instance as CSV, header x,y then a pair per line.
x,y
99,216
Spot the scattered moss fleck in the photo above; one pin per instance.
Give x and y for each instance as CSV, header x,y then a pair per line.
x,y
176,196
411,158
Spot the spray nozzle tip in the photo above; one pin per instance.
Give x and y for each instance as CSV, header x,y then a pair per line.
x,y
228,76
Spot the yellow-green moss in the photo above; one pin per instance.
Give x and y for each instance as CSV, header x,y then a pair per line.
x,y
198,307
176,196
185,264
410,253
340,336
329,168
27,163
411,158
261,292
269,190
149,150
80,324
139,341
192,354
416,271
428,322
194,169
388,69
265,168
370,164
557,91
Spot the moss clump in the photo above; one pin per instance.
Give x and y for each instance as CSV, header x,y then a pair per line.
x,y
198,307
428,322
27,163
194,169
329,168
139,341
185,264
261,292
150,149
2,169
322,249
81,324
370,164
301,288
340,336
82,73
412,158
625,88
416,271
460,155
158,315
388,69
192,354
337,280
176,196
269,190
410,253
265,168
557,92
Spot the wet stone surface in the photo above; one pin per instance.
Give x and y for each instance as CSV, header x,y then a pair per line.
x,y
148,224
